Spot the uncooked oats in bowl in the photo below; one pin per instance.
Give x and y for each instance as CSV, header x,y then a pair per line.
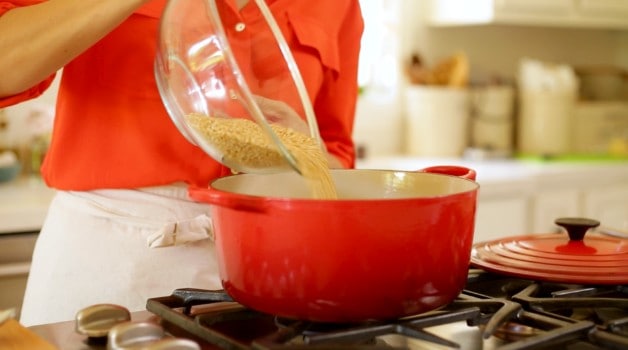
x,y
209,70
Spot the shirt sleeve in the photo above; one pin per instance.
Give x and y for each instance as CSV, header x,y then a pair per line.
x,y
5,6
26,95
34,91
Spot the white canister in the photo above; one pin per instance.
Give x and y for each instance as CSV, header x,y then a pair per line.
x,y
544,125
437,120
494,135
494,102
378,124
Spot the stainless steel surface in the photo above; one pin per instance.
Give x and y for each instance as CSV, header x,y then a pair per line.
x,y
64,337
493,312
134,335
173,344
15,261
422,332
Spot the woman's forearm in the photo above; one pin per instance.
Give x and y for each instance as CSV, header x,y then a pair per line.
x,y
38,40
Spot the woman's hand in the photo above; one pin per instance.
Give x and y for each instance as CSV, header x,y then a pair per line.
x,y
279,112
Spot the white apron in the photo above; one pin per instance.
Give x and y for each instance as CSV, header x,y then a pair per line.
x,y
120,247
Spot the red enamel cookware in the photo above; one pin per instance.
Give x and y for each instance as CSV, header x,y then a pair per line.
x,y
573,257
395,243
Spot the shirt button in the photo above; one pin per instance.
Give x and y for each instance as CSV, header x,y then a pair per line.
x,y
240,27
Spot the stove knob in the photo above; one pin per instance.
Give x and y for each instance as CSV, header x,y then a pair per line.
x,y
134,335
145,336
95,321
174,344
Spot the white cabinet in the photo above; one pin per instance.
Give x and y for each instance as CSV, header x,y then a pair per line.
x,y
522,197
550,205
604,10
530,11
535,212
609,205
596,190
567,13
500,217
15,256
23,207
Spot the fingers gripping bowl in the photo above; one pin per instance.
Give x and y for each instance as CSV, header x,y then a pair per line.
x,y
393,244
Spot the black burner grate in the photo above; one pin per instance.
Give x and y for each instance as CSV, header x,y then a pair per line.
x,y
553,314
231,326
514,314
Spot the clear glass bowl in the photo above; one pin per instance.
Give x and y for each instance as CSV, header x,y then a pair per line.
x,y
211,68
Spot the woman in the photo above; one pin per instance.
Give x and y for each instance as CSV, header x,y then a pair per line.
x,y
120,166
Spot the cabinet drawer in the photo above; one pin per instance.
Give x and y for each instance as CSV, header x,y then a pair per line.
x,y
16,251
604,8
549,206
565,13
608,205
539,8
17,247
501,217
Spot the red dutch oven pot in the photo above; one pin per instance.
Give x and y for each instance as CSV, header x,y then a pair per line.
x,y
395,243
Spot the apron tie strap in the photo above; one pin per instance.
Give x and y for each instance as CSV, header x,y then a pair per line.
x,y
182,232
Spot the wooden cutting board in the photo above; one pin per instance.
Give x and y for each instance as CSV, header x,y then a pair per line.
x,y
14,336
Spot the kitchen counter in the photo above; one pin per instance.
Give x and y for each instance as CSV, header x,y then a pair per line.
x,y
23,204
493,172
526,196
510,176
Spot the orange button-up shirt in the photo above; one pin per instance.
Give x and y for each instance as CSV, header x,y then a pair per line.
x,y
111,129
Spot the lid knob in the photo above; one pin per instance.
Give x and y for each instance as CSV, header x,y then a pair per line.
x,y
576,227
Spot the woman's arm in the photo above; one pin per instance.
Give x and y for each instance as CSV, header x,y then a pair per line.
x,y
40,39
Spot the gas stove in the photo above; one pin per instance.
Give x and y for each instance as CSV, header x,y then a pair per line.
x,y
493,312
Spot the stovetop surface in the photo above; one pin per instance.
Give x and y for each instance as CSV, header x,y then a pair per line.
x,y
493,312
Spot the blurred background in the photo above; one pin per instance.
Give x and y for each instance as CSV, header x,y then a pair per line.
x,y
513,55
529,93
518,78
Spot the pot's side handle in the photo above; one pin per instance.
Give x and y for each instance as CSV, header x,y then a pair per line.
x,y
228,200
455,170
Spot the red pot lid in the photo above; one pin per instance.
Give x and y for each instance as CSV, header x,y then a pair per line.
x,y
567,258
